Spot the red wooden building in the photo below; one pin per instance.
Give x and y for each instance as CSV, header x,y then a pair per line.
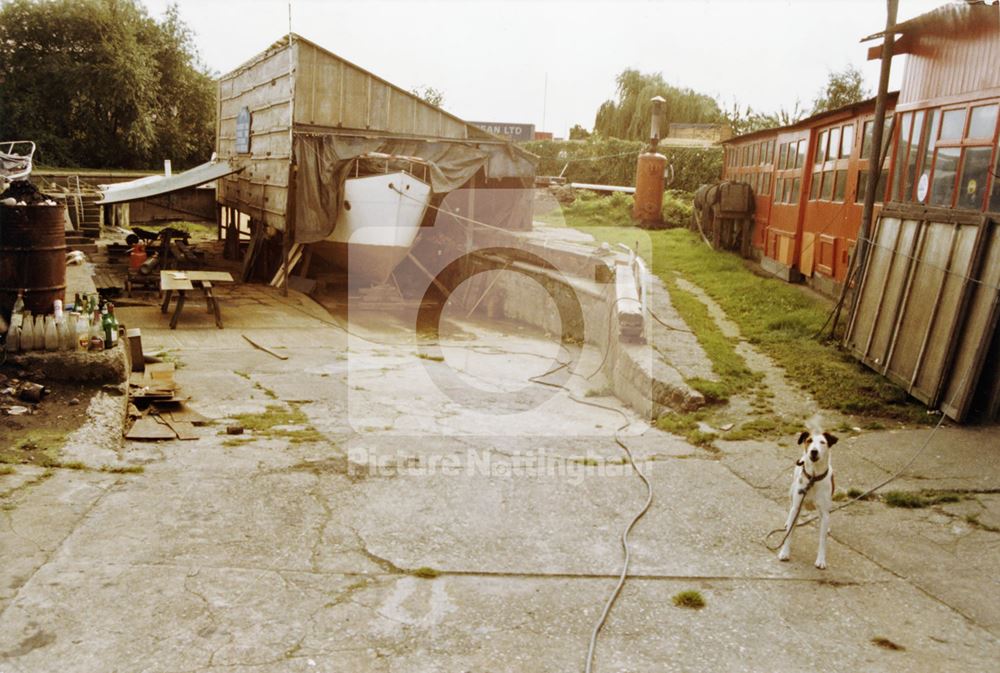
x,y
809,183
809,178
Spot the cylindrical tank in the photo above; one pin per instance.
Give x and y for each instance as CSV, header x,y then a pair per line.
x,y
32,256
649,187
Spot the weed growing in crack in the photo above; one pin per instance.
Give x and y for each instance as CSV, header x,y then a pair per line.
x,y
919,499
886,644
690,599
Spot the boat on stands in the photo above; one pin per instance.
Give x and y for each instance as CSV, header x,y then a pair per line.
x,y
384,202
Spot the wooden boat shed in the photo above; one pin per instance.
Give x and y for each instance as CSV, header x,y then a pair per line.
x,y
294,115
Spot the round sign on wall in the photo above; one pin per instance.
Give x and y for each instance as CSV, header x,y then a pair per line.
x,y
922,187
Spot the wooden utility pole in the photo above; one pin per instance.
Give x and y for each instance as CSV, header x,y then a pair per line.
x,y
874,163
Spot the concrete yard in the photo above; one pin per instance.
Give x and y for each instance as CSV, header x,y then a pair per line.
x,y
394,525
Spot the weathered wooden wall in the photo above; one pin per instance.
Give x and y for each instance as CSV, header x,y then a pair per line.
x,y
332,92
264,86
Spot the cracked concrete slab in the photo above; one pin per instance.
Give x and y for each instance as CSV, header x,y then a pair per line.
x,y
270,555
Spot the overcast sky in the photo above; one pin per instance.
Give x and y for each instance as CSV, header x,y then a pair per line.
x,y
490,58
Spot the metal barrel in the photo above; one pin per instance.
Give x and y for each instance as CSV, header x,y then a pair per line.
x,y
649,187
32,256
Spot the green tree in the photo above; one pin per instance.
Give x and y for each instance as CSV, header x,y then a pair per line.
x,y
99,83
747,120
578,133
629,116
842,88
429,95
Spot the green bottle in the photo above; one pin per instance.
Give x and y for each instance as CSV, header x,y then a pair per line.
x,y
106,327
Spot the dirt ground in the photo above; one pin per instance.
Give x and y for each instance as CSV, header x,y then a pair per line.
x,y
35,437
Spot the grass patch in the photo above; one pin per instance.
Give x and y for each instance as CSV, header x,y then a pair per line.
x,y
425,572
272,416
270,423
886,644
690,599
702,439
918,499
686,425
604,391
7,469
760,428
593,210
242,374
123,469
35,447
432,358
734,375
678,423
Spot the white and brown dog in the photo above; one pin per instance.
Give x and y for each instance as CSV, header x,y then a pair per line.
x,y
813,484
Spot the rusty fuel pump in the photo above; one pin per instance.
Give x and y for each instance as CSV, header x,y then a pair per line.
x,y
649,176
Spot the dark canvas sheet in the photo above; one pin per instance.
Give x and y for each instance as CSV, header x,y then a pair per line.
x,y
324,162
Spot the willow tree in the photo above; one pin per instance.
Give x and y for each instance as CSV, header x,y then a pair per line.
x,y
100,83
629,116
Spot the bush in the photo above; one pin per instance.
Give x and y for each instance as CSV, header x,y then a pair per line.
x,y
677,207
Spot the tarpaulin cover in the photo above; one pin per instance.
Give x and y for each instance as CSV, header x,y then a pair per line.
x,y
324,162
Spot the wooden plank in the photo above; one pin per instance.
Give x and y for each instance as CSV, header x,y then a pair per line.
x,y
149,428
214,276
182,413
183,429
175,280
262,348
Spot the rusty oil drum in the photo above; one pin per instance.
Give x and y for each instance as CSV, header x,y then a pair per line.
x,y
649,187
32,256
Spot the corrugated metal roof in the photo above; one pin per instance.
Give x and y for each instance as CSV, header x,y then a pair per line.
x,y
155,185
945,19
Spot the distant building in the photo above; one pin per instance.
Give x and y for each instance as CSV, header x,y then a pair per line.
x,y
518,133
713,133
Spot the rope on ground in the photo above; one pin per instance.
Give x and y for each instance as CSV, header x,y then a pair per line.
x,y
626,548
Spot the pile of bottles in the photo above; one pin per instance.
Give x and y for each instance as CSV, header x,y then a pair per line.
x,y
87,325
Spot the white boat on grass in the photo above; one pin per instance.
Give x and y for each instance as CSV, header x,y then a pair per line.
x,y
385,198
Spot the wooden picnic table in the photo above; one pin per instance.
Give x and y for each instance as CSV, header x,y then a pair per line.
x,y
182,281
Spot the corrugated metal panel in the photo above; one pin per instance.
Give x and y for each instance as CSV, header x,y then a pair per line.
x,y
942,66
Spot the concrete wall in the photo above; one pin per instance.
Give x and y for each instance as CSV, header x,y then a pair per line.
x,y
582,287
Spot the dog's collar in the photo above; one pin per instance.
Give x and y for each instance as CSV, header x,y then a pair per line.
x,y
813,478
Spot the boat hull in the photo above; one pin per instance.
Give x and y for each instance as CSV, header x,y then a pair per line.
x,y
377,225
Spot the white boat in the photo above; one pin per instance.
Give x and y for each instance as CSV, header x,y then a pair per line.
x,y
385,198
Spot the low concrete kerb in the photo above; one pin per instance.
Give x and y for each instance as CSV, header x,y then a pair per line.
x,y
100,439
98,367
